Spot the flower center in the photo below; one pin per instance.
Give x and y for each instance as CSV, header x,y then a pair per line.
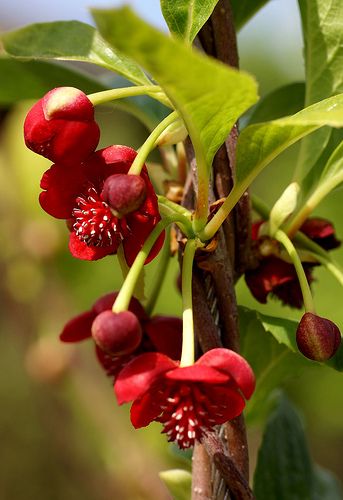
x,y
95,224
188,414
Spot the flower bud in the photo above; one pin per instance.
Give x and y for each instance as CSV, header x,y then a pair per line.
x,y
61,126
117,333
124,193
317,338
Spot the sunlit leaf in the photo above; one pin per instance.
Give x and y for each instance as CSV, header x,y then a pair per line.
x,y
70,41
322,30
185,18
209,95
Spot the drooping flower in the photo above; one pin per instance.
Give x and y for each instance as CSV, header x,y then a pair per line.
x,y
159,333
276,276
75,194
61,126
317,338
189,401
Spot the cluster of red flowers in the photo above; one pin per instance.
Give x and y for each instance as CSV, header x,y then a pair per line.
x,y
189,401
276,276
81,187
105,207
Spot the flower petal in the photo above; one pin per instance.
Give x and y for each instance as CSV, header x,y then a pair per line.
x,y
321,231
232,364
78,328
62,185
144,410
81,250
228,402
198,373
165,332
138,375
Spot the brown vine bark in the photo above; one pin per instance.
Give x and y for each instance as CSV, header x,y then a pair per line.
x,y
214,300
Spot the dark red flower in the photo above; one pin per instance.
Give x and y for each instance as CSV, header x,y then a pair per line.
x,y
189,401
61,126
275,276
159,333
74,194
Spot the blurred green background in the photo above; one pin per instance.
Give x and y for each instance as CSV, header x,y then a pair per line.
x,y
62,434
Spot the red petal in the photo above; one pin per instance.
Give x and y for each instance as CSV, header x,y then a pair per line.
x,y
114,159
80,250
104,303
231,364
165,332
321,231
78,328
197,373
62,186
144,410
138,375
230,403
271,273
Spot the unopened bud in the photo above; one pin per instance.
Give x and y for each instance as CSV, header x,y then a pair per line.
x,y
117,333
317,338
176,132
124,193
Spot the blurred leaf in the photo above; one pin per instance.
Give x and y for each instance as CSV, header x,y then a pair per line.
x,y
283,101
272,357
185,18
284,469
334,166
178,482
210,97
326,486
322,30
70,41
259,144
243,10
284,206
269,345
31,80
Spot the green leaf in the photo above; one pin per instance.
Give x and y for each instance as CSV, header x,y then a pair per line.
x,y
326,486
322,30
70,41
268,344
185,18
209,95
283,101
31,80
284,468
259,144
243,10
178,482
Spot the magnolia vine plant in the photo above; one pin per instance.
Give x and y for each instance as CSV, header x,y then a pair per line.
x,y
195,375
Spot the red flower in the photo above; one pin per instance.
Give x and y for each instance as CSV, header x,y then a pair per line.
x,y
277,277
160,333
189,401
74,194
61,126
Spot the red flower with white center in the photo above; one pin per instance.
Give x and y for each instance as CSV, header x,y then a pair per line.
x,y
75,194
189,401
159,333
277,277
61,126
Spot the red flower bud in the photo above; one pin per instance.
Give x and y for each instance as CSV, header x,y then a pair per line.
x,y
317,338
124,193
61,126
117,333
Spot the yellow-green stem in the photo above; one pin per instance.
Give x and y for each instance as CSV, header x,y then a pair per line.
x,y
305,287
112,94
187,356
123,299
150,143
